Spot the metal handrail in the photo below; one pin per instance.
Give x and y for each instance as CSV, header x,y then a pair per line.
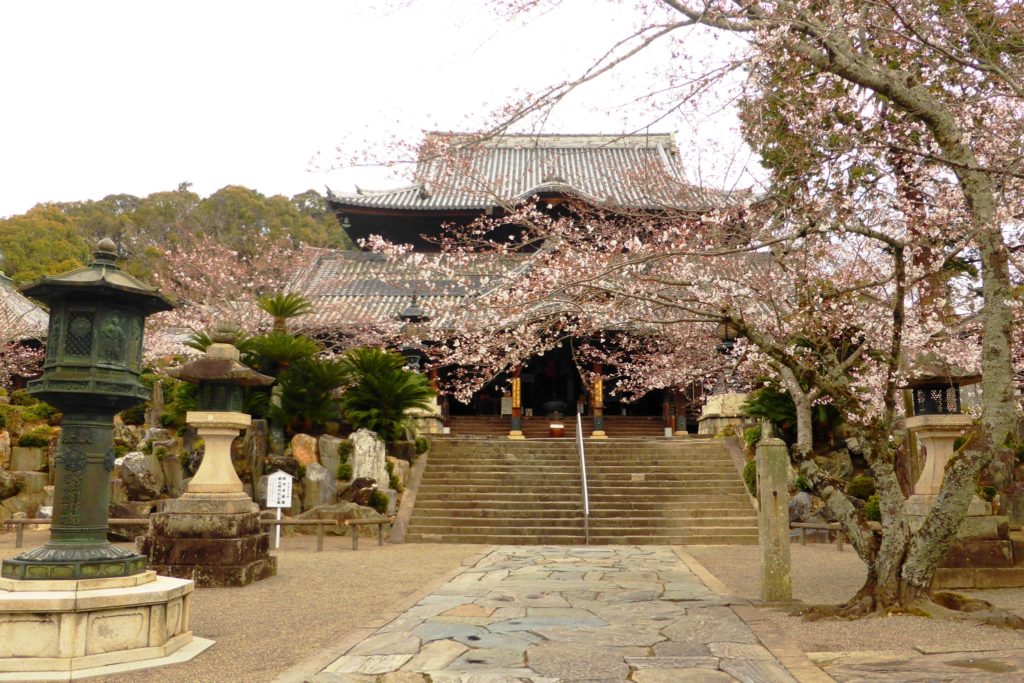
x,y
583,477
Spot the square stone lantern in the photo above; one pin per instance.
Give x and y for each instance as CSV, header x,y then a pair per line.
x,y
212,533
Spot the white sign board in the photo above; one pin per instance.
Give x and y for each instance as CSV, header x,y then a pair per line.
x,y
279,490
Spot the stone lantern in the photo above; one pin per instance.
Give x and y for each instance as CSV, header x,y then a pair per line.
x,y
78,602
413,351
724,406
212,534
91,372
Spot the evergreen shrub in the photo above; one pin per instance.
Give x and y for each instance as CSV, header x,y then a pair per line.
x,y
378,501
750,476
861,487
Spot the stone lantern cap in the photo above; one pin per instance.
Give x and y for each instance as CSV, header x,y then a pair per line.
x,y
220,363
930,370
102,276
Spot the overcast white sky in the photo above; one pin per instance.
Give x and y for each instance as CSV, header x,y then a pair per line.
x,y
134,97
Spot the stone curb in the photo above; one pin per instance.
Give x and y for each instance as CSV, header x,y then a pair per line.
x,y
795,661
321,660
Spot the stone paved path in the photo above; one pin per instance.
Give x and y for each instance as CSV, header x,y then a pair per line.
x,y
529,613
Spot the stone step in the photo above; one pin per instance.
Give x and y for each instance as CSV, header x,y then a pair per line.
x,y
620,502
608,525
577,511
578,539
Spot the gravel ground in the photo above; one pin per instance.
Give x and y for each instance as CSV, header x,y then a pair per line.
x,y
263,629
821,575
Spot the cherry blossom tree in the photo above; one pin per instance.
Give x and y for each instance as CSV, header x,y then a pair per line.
x,y
891,134
211,282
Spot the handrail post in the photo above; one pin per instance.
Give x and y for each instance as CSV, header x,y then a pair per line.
x,y
583,478
19,536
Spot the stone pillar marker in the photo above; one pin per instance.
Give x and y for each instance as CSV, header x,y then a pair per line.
x,y
212,534
773,516
79,602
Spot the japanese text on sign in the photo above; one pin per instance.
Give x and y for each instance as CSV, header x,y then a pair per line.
x,y
279,490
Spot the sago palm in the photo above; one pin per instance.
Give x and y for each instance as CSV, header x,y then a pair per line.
x,y
381,391
282,306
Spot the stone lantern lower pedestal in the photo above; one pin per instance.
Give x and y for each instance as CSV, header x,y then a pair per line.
x,y
71,626
212,533
982,555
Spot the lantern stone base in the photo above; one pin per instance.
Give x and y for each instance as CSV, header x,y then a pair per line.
x,y
214,540
55,629
982,556
721,411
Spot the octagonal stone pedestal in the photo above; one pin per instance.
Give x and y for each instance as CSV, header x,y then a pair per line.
x,y
58,629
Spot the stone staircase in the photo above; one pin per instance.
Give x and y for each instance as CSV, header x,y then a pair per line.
x,y
615,426
642,491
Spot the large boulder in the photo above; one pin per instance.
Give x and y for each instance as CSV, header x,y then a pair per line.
x,y
283,463
28,459
125,435
174,473
303,448
367,457
358,491
800,507
128,510
24,503
401,469
340,512
254,446
140,481
5,450
318,487
8,484
327,447
837,463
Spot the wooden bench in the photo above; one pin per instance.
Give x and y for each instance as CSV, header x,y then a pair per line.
x,y
834,526
380,522
320,524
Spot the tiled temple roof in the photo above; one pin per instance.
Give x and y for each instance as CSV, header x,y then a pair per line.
x,y
24,318
458,172
352,288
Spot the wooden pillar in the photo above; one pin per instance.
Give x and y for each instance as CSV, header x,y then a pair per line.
x,y
680,425
517,406
597,403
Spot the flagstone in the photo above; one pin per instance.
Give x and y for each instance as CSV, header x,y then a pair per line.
x,y
681,676
681,648
434,630
729,650
532,623
577,661
616,635
756,671
520,640
672,662
489,658
389,643
710,624
470,610
435,655
368,664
